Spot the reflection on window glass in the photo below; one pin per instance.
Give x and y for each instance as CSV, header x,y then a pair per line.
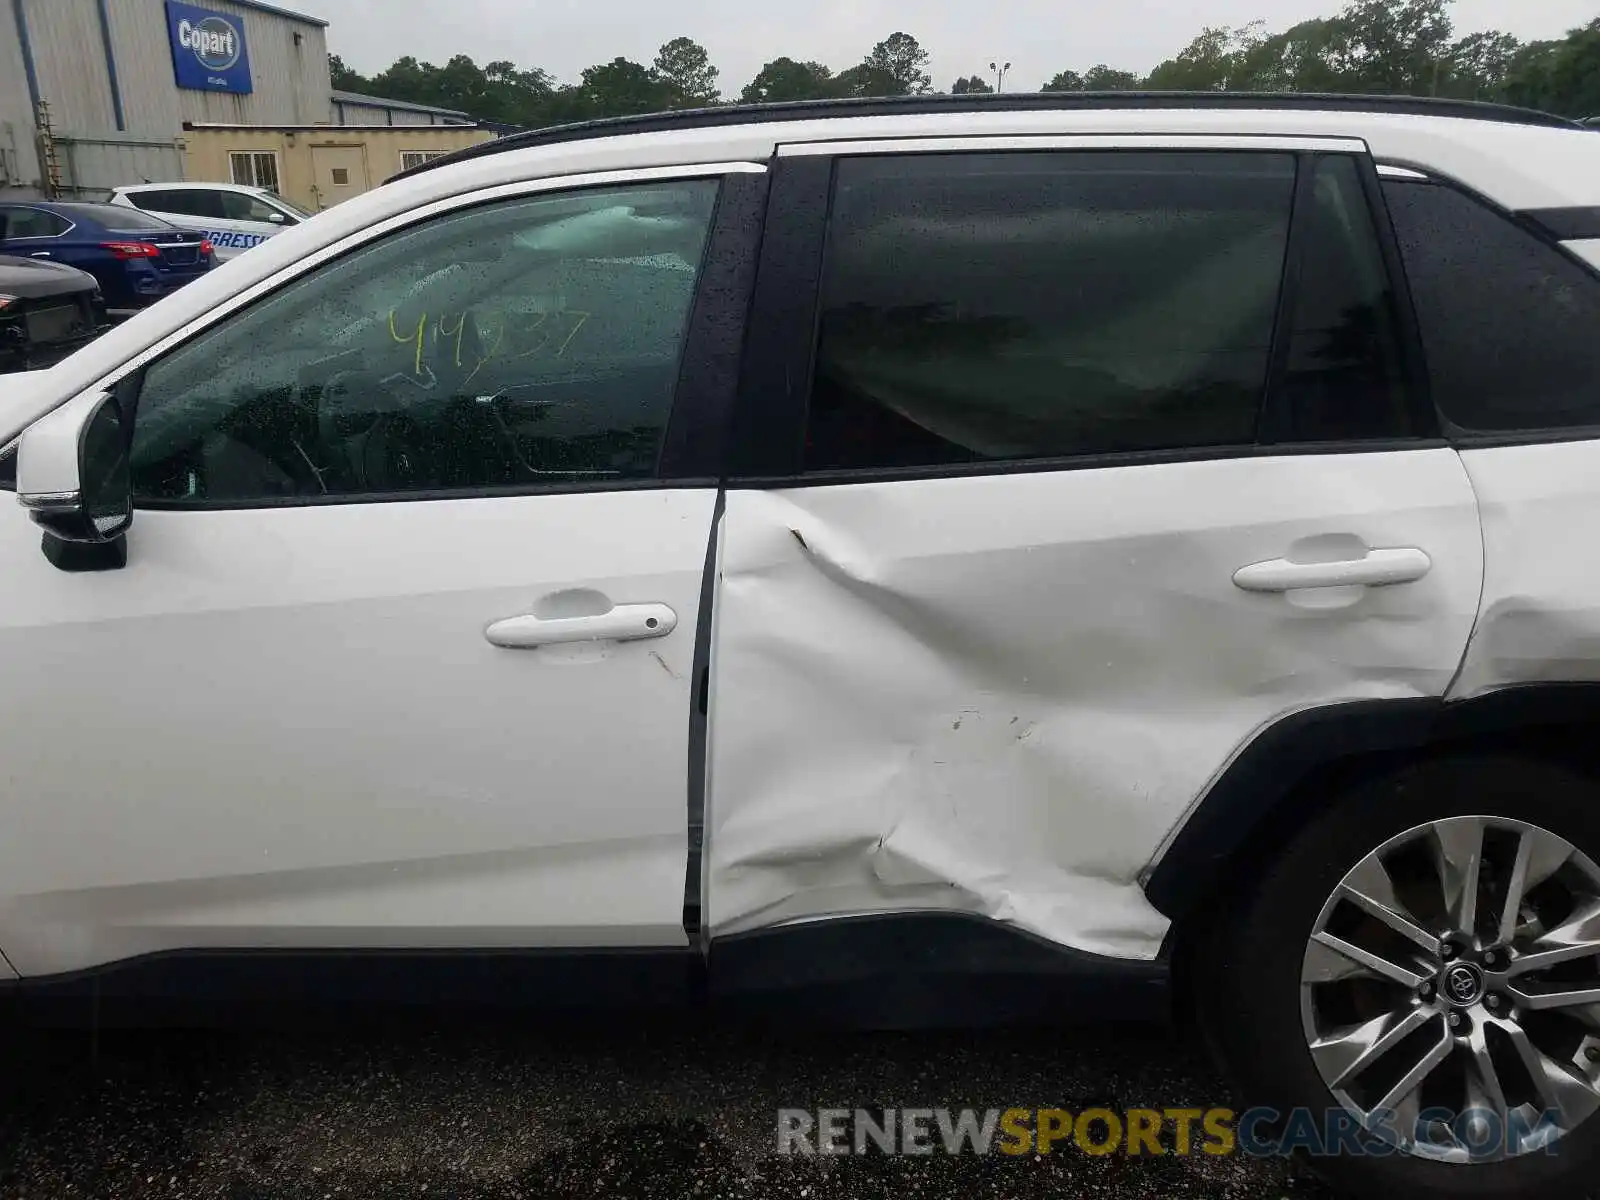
x,y
1509,323
524,343
1345,378
1001,306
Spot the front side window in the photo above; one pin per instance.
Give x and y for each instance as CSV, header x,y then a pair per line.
x,y
240,206
1510,324
981,307
519,344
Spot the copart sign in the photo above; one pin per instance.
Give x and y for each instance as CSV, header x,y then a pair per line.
x,y
209,52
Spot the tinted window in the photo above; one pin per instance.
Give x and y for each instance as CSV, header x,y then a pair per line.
x,y
32,222
186,202
1511,325
525,343
1002,306
237,206
114,216
1345,375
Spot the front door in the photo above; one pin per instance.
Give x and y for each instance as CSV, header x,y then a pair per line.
x,y
1103,458
402,652
340,172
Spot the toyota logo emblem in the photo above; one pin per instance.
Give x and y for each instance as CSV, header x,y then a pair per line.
x,y
1463,983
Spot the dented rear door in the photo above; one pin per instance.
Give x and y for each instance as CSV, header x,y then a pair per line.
x,y
1509,307
1103,456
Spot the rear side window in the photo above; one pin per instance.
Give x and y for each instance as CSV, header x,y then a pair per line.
x,y
32,222
115,216
1510,324
995,307
1344,375
186,202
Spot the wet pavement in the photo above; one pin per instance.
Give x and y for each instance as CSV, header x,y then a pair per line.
x,y
455,1106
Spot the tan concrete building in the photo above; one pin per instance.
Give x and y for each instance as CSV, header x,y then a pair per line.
x,y
95,94
317,165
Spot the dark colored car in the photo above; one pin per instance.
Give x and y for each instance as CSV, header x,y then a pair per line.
x,y
47,310
136,257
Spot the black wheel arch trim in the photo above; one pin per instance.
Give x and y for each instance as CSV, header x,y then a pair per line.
x,y
1256,793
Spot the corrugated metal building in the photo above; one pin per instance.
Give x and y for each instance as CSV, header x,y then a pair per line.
x,y
118,88
351,108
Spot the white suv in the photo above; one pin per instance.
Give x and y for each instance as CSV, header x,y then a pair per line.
x,y
1122,547
234,216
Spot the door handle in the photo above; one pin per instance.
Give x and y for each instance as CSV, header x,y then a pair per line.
x,y
40,254
1378,568
624,623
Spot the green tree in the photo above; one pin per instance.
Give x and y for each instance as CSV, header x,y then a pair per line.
x,y
1207,64
1301,59
685,68
1560,77
622,88
1394,47
897,66
784,79
1064,81
970,85
344,79
1107,79
1477,66
404,79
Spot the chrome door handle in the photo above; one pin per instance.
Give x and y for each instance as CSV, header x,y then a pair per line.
x,y
40,254
1379,568
624,623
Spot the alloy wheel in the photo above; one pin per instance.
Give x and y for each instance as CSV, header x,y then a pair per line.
x,y
1450,990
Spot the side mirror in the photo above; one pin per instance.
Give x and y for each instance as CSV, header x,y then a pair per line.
x,y
277,218
73,475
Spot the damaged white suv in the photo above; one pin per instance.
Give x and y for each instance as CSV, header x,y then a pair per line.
x,y
1122,549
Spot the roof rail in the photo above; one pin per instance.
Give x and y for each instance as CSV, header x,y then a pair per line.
x,y
812,110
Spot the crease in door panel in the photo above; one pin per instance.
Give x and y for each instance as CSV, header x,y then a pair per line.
x,y
699,728
1483,582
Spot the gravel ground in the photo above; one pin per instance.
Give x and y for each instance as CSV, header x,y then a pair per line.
x,y
466,1108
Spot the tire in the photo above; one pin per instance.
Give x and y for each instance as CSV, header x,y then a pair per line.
x,y
1251,1001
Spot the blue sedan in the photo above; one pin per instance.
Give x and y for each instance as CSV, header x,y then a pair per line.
x,y
136,257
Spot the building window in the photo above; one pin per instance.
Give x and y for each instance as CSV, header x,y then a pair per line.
x,y
255,168
341,177
415,158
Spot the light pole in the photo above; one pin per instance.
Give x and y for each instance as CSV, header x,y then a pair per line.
x,y
999,76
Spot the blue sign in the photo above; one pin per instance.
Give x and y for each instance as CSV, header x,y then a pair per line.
x,y
208,49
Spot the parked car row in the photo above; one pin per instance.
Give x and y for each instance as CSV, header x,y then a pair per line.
x,y
68,268
234,217
47,310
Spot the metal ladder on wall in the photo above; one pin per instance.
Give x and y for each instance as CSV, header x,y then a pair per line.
x,y
49,163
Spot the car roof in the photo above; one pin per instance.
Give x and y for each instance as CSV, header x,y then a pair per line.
x,y
189,185
954,108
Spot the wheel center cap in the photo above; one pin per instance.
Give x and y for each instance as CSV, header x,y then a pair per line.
x,y
1462,984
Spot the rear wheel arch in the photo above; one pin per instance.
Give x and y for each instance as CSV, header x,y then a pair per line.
x,y
1296,767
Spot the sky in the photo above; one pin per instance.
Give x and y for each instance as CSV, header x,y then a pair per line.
x,y
1038,37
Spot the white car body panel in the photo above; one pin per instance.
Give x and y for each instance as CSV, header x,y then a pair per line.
x,y
284,727
1000,694
1540,619
229,238
997,694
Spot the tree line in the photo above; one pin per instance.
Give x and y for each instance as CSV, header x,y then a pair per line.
x,y
1393,47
